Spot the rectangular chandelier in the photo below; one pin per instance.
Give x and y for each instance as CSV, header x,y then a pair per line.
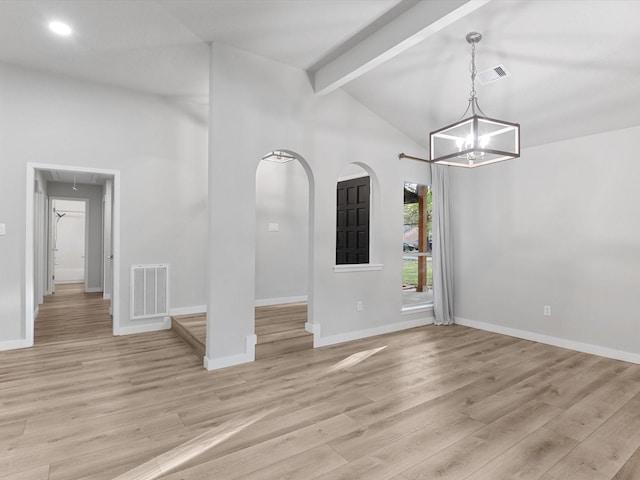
x,y
475,141
278,156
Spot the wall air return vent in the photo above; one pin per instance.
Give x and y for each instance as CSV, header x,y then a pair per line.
x,y
149,291
493,74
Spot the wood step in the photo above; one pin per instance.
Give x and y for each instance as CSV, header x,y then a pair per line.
x,y
279,330
277,336
263,328
193,330
284,346
282,313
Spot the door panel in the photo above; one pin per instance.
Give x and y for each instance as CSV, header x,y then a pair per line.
x,y
352,221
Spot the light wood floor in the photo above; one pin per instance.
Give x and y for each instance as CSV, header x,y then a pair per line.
x,y
434,402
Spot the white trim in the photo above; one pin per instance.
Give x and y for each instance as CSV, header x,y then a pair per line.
x,y
14,344
188,310
29,254
93,290
107,226
29,261
231,360
353,176
312,328
555,341
36,312
114,309
264,302
357,267
370,332
165,324
411,309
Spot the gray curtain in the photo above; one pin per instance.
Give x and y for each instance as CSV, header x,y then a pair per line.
x,y
442,247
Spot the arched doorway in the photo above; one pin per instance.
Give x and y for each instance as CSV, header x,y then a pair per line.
x,y
283,266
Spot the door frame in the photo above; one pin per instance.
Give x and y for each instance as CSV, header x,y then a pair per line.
x,y
30,302
107,241
53,237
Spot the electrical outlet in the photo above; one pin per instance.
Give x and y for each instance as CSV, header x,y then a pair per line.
x,y
359,306
547,310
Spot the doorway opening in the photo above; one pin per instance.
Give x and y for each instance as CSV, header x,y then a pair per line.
x,y
283,314
69,241
282,254
417,262
72,214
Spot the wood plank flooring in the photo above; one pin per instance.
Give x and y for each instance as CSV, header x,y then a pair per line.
x,y
279,330
427,403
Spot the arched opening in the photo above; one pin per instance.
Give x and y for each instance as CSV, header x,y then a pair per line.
x,y
283,267
356,215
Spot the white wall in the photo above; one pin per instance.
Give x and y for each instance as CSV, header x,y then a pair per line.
x,y
560,227
256,106
282,257
160,152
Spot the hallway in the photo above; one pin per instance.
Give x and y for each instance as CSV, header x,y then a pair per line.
x,y
70,315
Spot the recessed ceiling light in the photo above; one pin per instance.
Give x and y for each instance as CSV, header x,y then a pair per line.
x,y
60,28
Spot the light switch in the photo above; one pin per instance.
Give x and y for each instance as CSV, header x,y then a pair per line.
x,y
3,229
274,227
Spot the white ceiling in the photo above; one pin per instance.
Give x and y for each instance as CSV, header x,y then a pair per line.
x,y
574,64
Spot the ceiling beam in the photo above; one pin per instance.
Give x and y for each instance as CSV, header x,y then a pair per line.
x,y
411,27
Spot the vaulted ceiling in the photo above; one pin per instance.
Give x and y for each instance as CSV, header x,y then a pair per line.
x,y
573,65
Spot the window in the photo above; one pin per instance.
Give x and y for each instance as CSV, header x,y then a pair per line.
x,y
352,221
417,266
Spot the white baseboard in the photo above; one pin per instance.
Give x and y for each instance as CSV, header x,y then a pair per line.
x,y
370,332
106,296
413,310
555,341
36,312
312,328
188,310
77,278
265,302
165,324
231,360
15,344
93,290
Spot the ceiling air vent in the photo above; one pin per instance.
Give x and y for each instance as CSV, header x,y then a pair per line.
x,y
493,74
